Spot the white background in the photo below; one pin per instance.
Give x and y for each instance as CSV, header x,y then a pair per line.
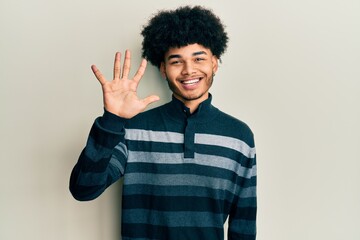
x,y
292,72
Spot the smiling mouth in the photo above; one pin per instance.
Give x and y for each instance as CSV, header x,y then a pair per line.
x,y
191,81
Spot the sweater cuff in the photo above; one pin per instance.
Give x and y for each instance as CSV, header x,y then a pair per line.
x,y
112,122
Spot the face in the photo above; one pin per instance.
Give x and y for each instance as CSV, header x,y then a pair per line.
x,y
189,71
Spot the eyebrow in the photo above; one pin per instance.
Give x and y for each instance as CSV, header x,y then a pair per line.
x,y
179,56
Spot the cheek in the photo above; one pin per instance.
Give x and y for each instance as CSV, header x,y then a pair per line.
x,y
208,70
171,73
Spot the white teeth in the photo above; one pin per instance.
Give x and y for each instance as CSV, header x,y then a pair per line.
x,y
192,81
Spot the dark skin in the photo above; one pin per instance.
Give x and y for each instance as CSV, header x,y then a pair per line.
x,y
120,94
189,71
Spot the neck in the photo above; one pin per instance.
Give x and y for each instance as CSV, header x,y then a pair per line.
x,y
192,104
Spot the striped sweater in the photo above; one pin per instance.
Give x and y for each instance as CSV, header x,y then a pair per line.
x,y
184,174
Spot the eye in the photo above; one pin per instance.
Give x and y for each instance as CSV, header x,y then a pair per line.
x,y
199,59
175,62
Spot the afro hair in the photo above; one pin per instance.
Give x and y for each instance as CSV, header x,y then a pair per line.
x,y
181,27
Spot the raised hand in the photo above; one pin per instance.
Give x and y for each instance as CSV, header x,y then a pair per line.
x,y
119,95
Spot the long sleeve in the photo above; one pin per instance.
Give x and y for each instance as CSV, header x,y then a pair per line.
x,y
103,159
242,219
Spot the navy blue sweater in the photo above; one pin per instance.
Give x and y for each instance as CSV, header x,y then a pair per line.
x,y
184,174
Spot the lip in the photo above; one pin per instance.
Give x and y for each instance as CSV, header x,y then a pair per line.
x,y
190,83
190,80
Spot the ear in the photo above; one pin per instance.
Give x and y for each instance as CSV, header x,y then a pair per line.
x,y
162,70
215,63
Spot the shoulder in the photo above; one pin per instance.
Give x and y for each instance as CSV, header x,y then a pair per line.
x,y
148,118
227,125
234,123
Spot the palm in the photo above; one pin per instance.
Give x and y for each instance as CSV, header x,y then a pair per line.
x,y
119,95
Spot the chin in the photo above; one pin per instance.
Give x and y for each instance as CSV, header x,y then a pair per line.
x,y
192,97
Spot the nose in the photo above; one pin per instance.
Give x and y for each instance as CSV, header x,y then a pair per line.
x,y
188,68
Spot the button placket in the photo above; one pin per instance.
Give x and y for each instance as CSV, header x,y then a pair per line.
x,y
189,139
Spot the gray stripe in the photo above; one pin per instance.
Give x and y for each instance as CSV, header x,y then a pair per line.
x,y
249,192
122,148
200,138
225,163
228,142
114,159
172,219
156,157
154,136
115,162
200,159
180,180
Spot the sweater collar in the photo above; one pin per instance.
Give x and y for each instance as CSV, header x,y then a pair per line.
x,y
178,111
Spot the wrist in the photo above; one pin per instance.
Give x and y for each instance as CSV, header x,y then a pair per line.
x,y
112,121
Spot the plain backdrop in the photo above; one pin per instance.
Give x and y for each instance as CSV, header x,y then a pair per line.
x,y
291,72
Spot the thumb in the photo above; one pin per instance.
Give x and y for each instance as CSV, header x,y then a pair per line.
x,y
150,99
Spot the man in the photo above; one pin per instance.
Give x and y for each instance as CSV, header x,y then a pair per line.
x,y
187,166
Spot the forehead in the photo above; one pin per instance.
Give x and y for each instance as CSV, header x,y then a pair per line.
x,y
187,51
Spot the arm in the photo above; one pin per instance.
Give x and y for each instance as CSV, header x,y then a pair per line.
x,y
103,159
242,219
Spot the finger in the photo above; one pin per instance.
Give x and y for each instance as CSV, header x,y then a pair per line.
x,y
117,64
150,99
140,72
126,68
98,74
